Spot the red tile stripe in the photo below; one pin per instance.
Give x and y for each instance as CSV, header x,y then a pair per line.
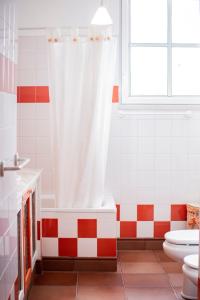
x,y
160,228
87,228
128,229
50,228
106,247
33,94
118,212
115,97
145,212
67,247
178,212
40,94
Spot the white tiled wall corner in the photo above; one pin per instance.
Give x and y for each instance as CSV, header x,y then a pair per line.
x,y
152,160
8,106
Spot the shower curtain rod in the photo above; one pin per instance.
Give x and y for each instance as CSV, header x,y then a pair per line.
x,y
41,30
52,28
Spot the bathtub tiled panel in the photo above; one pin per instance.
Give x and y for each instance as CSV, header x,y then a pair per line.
x,y
78,235
150,221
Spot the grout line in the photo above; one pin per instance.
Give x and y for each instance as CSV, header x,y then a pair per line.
x,y
77,284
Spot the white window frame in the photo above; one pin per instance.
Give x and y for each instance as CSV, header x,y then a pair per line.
x,y
126,98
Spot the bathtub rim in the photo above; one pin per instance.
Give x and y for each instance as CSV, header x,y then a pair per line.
x,y
109,207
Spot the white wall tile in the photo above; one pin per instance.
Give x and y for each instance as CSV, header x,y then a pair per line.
x,y
128,212
162,212
29,128
145,229
87,247
178,225
43,111
50,247
162,145
145,145
146,127
106,229
163,128
43,128
129,145
128,127
27,111
67,226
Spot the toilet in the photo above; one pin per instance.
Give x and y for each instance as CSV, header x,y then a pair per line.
x,y
183,246
180,243
190,271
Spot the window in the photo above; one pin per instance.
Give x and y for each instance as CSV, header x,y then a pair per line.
x,y
160,51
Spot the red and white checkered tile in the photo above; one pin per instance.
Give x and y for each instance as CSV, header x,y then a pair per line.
x,y
149,220
94,235
78,234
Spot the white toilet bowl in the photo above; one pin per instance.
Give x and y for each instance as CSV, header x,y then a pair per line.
x,y
180,243
190,271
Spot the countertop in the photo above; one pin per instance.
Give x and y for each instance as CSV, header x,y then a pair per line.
x,y
26,180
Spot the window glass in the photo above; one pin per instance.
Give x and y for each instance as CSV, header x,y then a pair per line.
x,y
185,21
186,71
148,21
148,71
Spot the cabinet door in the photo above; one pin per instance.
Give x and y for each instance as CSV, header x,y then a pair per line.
x,y
19,253
27,241
33,206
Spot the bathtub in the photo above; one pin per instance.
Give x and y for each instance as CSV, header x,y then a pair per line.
x,y
78,233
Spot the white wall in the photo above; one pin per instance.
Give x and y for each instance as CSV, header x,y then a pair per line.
x,y
8,198
58,13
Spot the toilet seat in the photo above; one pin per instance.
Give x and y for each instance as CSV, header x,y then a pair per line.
x,y
183,237
190,271
180,243
192,261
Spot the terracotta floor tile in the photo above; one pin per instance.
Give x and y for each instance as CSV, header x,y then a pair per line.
x,y
53,293
96,279
146,280
56,278
172,267
176,279
142,268
137,256
161,256
150,294
99,293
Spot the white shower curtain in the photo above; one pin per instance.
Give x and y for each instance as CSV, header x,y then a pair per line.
x,y
81,83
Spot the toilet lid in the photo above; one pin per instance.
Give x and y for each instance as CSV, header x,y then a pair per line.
x,y
192,261
183,237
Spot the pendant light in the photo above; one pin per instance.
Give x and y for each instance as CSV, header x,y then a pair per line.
x,y
102,16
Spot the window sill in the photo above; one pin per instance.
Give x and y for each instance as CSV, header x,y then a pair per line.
x,y
161,101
